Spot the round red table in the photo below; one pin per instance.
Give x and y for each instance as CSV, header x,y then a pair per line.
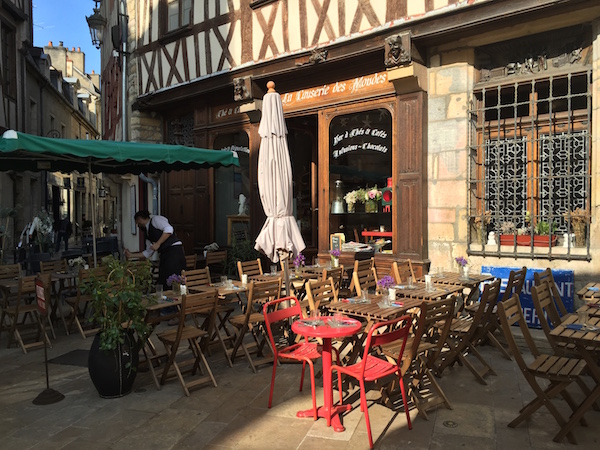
x,y
327,331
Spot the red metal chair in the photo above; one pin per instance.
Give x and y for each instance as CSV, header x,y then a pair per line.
x,y
304,351
373,367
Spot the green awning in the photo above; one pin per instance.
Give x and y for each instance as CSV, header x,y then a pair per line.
x,y
22,151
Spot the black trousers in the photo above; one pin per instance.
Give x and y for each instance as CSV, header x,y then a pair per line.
x,y
172,261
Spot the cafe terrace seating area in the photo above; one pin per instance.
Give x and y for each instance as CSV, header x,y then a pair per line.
x,y
394,359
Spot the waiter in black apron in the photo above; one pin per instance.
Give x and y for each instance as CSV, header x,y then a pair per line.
x,y
161,237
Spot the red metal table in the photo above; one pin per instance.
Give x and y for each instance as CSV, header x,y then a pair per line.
x,y
326,331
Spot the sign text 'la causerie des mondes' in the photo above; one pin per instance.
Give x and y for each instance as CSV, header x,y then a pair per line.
x,y
339,87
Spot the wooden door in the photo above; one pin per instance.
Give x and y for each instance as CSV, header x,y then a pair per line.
x,y
185,202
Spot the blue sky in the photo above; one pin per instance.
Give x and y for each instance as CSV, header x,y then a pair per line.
x,y
64,20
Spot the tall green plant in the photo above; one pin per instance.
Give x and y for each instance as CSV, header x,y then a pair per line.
x,y
241,251
119,301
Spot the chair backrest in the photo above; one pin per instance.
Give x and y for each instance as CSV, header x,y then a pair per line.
x,y
26,285
364,280
197,277
86,275
509,314
260,292
10,270
383,267
485,311
360,265
402,270
336,274
546,276
546,310
437,318
321,293
250,268
190,261
53,266
384,333
217,257
516,279
205,304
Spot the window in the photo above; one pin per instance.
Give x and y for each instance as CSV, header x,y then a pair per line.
x,y
9,62
33,117
530,157
179,14
360,161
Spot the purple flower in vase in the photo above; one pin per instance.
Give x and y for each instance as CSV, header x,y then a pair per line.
x,y
461,261
335,253
386,282
299,260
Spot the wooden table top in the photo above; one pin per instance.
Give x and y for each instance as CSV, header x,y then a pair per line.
x,y
420,293
454,278
578,337
373,311
590,292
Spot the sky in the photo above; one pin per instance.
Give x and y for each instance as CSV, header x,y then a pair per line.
x,y
64,20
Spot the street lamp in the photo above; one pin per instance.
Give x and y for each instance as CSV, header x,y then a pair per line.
x,y
97,23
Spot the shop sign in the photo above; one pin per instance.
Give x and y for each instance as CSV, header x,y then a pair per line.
x,y
565,282
225,112
354,88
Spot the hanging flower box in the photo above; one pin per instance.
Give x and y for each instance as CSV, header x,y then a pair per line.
x,y
525,240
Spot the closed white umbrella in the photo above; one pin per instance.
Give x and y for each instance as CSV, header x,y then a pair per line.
x,y
280,236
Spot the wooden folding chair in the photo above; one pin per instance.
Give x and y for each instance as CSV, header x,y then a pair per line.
x,y
250,268
57,287
26,308
320,294
216,259
80,301
155,314
191,304
364,280
196,277
558,371
10,272
252,320
547,312
383,267
546,276
374,367
466,331
336,274
402,270
191,261
360,266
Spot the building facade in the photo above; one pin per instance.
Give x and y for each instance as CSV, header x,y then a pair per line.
x,y
477,115
45,94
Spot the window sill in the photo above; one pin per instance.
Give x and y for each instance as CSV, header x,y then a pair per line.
x,y
510,251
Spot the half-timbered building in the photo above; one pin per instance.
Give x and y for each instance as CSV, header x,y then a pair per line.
x,y
478,115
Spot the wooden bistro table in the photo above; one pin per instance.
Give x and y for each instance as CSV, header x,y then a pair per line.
x,y
322,327
590,293
472,283
587,345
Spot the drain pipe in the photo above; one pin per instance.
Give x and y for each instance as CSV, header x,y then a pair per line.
x,y
154,192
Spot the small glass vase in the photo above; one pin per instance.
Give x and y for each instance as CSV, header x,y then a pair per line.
x,y
335,262
176,288
464,273
350,207
371,206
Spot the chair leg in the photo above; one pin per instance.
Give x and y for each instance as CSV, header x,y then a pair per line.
x,y
406,410
365,409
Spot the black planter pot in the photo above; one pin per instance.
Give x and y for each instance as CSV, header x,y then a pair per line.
x,y
109,369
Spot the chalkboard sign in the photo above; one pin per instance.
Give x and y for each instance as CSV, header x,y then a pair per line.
x,y
336,240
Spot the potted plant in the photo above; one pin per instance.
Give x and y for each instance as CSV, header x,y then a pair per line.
x,y
335,257
372,196
118,305
579,218
509,234
543,236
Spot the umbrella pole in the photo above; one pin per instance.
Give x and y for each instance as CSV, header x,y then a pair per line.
x,y
285,256
93,214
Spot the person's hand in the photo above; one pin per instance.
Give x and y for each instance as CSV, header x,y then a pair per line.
x,y
127,253
155,246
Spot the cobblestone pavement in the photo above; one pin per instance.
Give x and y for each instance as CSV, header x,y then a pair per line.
x,y
235,415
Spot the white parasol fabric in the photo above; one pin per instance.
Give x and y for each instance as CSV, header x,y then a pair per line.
x,y
280,232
